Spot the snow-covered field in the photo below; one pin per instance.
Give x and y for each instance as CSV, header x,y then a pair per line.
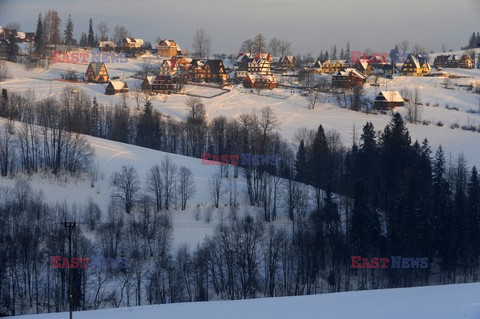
x,y
439,302
291,108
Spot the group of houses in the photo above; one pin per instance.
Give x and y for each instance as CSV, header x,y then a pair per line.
x,y
255,71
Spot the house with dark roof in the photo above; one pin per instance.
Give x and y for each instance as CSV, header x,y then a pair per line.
x,y
454,61
414,66
215,71
97,72
348,78
164,84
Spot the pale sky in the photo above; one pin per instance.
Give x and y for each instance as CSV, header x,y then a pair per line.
x,y
310,25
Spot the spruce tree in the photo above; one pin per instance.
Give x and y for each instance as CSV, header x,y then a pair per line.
x,y
69,31
91,36
301,163
39,36
348,54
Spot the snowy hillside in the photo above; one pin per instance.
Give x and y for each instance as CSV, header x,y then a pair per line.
x,y
442,108
439,302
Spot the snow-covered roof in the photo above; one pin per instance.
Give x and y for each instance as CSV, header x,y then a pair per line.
x,y
392,96
103,44
118,85
255,77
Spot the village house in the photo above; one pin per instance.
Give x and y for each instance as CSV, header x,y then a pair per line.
x,y
257,81
287,63
243,57
415,66
106,45
97,72
386,100
242,68
197,71
264,56
147,83
215,71
164,84
348,78
168,49
363,66
317,67
131,44
454,61
169,67
259,66
115,87
332,66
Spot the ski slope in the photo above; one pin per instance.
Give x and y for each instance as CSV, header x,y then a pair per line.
x,y
440,302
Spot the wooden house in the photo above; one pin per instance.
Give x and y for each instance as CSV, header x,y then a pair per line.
x,y
169,67
363,66
115,87
333,66
317,67
163,84
97,72
264,56
131,43
259,66
388,100
348,78
454,61
287,63
168,49
243,57
197,71
106,45
415,66
147,83
260,81
215,71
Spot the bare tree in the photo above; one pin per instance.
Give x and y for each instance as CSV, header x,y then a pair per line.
x,y
155,185
126,186
247,46
216,185
274,46
313,97
119,32
103,31
284,47
169,174
259,44
186,186
403,46
201,44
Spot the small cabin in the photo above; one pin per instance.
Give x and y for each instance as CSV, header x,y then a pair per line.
x,y
387,100
115,87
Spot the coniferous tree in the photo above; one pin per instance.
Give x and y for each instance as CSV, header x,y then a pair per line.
x,y
39,37
91,36
348,54
473,218
301,167
69,31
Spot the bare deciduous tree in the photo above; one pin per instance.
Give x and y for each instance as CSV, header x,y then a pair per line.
x,y
186,186
119,32
216,184
169,174
126,186
103,31
201,44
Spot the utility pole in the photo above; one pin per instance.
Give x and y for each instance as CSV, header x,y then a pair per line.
x,y
70,226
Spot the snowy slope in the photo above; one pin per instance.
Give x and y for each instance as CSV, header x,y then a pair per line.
x,y
439,302
292,109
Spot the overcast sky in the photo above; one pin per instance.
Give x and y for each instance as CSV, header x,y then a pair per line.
x,y
310,25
